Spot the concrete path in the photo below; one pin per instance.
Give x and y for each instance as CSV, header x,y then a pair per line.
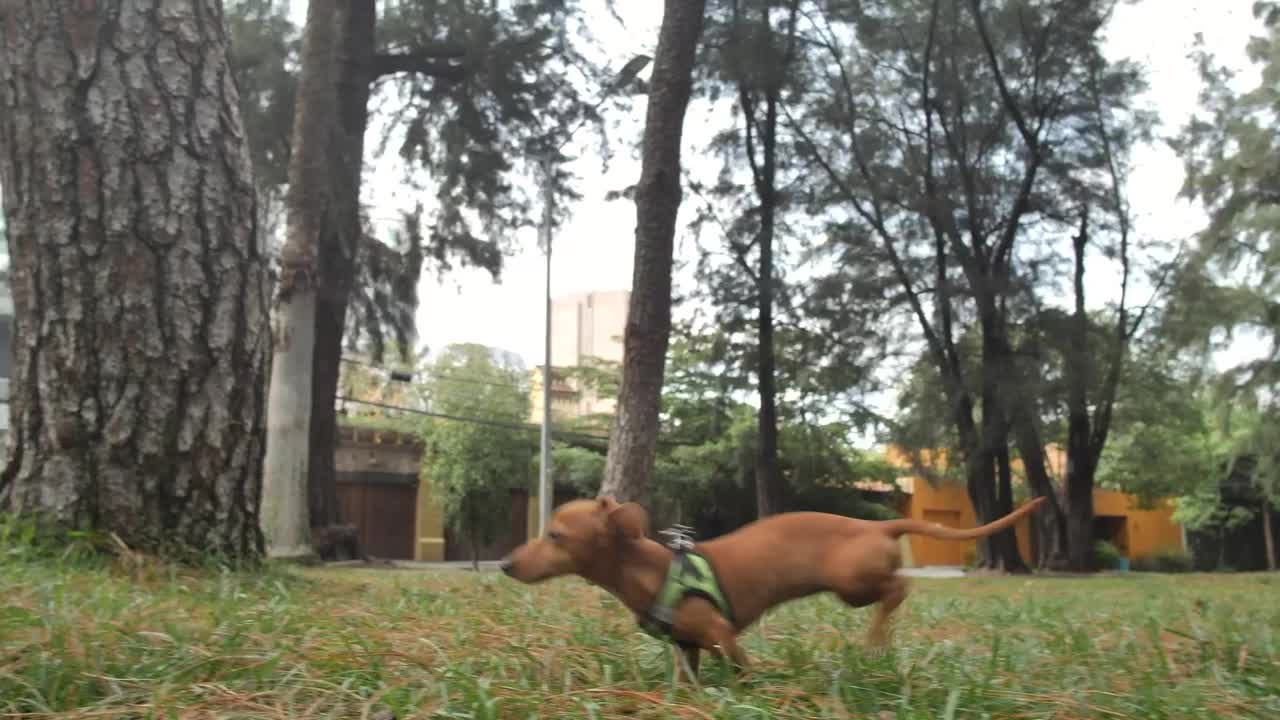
x,y
936,571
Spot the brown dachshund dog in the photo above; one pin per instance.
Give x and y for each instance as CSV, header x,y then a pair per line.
x,y
759,566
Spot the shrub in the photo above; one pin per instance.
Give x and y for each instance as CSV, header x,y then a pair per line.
x,y
1165,560
1106,556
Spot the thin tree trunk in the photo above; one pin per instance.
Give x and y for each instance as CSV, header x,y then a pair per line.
x,y
634,433
337,253
1268,535
1079,497
1080,458
1050,523
979,471
314,167
768,474
993,484
764,176
139,279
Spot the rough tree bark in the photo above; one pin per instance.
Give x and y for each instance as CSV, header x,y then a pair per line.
x,y
634,433
139,278
312,212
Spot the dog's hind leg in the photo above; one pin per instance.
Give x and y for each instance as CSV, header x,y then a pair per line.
x,y
892,594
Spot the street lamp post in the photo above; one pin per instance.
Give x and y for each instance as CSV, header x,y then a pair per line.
x,y
544,465
545,492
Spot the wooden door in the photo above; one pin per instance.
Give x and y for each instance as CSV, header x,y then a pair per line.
x,y
928,551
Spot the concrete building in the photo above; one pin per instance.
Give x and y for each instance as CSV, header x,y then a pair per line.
x,y
584,327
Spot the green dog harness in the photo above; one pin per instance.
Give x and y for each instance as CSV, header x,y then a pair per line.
x,y
689,575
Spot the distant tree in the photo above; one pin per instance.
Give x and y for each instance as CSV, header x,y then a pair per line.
x,y
139,277
473,467
750,50
633,437
951,133
1231,280
478,94
704,475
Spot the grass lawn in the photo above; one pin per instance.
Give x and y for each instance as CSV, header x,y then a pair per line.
x,y
87,640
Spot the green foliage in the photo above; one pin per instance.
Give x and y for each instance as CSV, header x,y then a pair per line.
x,y
264,62
1177,436
1167,560
497,87
708,482
956,147
384,296
577,468
521,87
22,539
1231,279
1106,556
471,467
1164,442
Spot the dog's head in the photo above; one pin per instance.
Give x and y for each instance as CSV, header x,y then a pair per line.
x,y
583,538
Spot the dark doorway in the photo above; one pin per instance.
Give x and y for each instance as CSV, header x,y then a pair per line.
x,y
383,507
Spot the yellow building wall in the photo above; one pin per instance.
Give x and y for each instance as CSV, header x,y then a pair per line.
x,y
1145,531
428,545
531,512
949,505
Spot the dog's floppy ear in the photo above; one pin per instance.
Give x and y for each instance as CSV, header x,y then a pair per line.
x,y
628,520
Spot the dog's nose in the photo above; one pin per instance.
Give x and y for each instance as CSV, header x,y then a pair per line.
x,y
506,564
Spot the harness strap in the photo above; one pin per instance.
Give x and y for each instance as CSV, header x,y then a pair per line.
x,y
689,575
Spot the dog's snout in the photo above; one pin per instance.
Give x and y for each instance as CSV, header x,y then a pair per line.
x,y
505,565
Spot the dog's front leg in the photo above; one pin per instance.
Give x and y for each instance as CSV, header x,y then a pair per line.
x,y
688,659
692,658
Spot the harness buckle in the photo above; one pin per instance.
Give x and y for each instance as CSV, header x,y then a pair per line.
x,y
679,537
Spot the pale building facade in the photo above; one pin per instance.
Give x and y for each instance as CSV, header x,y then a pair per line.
x,y
583,326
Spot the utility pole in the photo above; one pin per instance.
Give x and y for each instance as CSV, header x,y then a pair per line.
x,y
544,466
624,77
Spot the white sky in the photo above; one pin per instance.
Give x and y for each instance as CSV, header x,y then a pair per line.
x,y
594,251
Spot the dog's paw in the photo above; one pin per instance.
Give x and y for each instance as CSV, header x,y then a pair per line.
x,y
876,651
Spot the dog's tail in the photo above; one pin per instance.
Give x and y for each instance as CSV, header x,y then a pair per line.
x,y
897,528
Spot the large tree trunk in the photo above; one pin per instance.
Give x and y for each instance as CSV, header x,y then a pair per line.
x,y
337,254
634,434
314,168
139,279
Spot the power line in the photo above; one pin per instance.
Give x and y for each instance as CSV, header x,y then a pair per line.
x,y
407,376
504,424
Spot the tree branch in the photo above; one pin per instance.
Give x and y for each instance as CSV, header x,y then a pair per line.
x,y
1005,94
422,62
